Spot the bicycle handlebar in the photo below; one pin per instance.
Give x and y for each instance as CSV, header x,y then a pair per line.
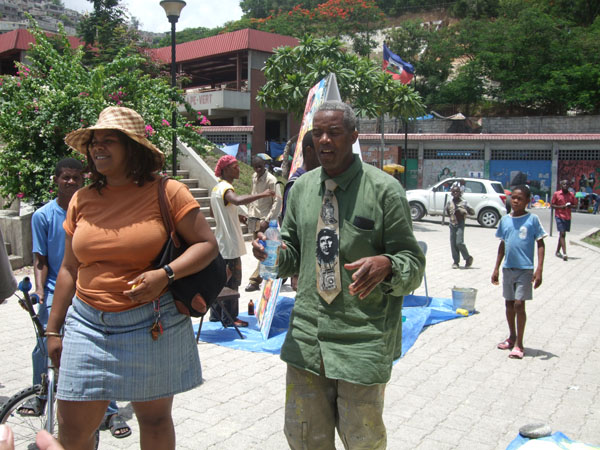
x,y
27,305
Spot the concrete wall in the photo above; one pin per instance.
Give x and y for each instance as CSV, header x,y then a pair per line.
x,y
544,124
17,232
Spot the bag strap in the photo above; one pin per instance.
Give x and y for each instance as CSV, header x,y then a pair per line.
x,y
165,211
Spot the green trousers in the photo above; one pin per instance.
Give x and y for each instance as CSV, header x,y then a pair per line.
x,y
315,406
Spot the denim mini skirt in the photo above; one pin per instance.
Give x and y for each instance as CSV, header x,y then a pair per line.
x,y
112,356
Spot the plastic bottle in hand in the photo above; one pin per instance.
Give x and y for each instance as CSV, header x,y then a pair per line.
x,y
269,267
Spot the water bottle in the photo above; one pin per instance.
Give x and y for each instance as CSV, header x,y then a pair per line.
x,y
269,267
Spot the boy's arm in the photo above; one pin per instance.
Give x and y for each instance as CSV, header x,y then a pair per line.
x,y
40,273
470,210
499,258
233,198
537,276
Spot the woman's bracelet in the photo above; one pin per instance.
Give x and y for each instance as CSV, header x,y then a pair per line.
x,y
53,334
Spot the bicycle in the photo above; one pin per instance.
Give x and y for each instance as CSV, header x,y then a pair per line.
x,y
25,427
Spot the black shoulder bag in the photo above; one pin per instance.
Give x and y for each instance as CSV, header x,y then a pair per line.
x,y
195,293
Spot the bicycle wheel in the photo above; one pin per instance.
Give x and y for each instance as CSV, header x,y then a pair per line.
x,y
25,428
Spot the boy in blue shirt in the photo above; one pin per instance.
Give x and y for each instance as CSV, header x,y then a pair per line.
x,y
518,233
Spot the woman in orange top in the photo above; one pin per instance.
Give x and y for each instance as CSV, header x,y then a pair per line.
x,y
109,296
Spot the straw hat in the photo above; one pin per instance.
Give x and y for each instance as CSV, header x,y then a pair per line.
x,y
114,118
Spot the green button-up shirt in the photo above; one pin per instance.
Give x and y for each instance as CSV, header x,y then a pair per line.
x,y
357,340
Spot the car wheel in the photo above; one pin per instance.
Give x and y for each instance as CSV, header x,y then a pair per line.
x,y
488,218
416,211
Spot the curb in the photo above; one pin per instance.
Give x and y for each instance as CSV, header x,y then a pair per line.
x,y
579,240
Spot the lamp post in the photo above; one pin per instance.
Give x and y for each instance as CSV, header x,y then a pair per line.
x,y
173,9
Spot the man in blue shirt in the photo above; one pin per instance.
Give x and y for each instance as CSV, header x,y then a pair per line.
x,y
48,250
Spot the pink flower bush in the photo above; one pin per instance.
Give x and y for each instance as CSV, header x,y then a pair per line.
x,y
149,130
166,123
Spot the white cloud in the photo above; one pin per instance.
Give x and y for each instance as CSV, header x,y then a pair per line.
x,y
197,13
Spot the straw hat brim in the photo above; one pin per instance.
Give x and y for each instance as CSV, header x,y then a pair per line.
x,y
79,139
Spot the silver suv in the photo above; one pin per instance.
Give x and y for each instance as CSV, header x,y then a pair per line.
x,y
486,197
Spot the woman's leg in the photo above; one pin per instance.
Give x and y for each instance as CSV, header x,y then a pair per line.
x,y
156,424
78,422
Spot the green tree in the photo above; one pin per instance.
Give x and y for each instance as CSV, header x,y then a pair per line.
x,y
292,72
187,35
475,8
536,63
105,31
430,51
55,93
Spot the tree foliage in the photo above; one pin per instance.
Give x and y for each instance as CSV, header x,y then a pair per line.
x,y
292,72
187,35
56,93
536,62
358,19
105,31
431,52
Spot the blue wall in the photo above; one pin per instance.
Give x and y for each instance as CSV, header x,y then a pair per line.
x,y
538,174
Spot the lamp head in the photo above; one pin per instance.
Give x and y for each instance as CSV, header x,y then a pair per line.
x,y
173,9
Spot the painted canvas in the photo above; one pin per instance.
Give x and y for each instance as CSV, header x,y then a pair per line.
x,y
266,306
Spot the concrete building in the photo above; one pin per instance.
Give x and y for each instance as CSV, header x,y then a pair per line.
x,y
226,74
540,160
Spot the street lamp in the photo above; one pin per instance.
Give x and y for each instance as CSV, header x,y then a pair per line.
x,y
173,9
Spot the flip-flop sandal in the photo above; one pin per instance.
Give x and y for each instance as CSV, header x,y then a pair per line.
x,y
34,407
516,353
506,345
117,426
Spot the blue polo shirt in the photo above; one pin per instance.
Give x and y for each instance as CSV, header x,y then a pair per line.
x,y
49,238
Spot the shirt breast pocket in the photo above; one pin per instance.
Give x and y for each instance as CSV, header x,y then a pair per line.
x,y
356,243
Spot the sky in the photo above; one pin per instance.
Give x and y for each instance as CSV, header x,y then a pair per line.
x,y
152,17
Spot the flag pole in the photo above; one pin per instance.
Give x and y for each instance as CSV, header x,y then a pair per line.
x,y
382,142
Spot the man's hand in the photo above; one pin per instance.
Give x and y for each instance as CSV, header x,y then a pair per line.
x,y
40,295
370,271
537,279
268,193
258,250
263,226
243,219
495,275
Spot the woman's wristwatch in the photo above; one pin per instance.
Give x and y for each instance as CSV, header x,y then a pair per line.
x,y
170,274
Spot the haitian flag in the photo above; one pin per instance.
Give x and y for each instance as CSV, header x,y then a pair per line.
x,y
394,65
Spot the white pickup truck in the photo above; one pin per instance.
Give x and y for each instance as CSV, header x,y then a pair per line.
x,y
486,197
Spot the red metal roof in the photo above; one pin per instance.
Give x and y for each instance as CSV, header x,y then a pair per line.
x,y
217,129
480,137
21,38
246,39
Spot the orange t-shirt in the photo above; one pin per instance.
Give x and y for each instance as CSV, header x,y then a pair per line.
x,y
116,235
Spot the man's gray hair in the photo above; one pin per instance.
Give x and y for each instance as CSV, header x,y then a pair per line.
x,y
336,105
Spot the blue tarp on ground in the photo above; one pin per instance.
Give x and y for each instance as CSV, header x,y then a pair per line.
x,y
418,310
556,441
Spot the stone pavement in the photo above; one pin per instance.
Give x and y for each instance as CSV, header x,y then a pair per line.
x,y
452,390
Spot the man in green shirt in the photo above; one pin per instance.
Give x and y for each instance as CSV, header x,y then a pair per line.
x,y
340,351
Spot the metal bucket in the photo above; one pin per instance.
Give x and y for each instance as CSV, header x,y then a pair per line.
x,y
464,298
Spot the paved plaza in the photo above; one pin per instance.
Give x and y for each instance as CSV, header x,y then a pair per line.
x,y
452,390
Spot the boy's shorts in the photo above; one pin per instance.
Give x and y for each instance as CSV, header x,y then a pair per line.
x,y
563,225
516,284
